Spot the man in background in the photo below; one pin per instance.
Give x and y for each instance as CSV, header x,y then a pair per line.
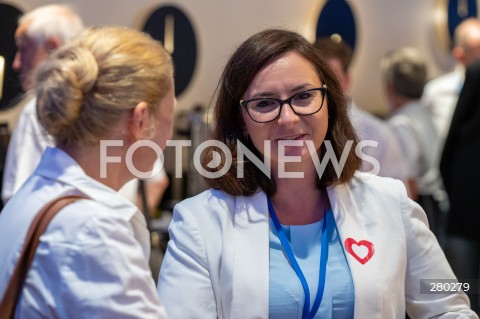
x,y
459,168
441,94
404,74
39,33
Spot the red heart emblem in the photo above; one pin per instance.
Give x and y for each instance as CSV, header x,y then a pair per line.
x,y
361,251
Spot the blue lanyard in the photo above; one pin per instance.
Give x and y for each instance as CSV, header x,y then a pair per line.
x,y
307,312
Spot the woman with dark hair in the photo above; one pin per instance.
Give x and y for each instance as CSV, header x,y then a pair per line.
x,y
290,229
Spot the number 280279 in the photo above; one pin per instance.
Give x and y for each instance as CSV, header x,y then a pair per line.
x,y
444,286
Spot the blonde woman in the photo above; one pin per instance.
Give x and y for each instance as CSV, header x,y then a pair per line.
x,y
109,84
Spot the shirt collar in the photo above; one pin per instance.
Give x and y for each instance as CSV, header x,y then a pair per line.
x,y
58,165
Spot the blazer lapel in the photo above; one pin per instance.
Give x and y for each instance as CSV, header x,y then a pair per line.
x,y
359,248
251,258
250,275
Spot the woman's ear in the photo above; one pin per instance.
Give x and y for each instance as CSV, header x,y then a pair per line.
x,y
140,120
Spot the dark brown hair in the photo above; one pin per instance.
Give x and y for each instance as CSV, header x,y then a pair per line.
x,y
239,72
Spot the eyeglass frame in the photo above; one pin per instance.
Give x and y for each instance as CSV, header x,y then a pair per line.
x,y
322,89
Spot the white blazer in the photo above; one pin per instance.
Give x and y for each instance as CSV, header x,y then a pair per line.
x,y
217,260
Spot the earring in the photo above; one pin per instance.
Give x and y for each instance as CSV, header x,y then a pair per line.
x,y
245,135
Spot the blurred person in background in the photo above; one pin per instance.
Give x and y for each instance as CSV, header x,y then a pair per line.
x,y
441,94
404,73
459,168
39,33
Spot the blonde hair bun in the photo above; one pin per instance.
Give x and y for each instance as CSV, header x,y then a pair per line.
x,y
87,87
62,84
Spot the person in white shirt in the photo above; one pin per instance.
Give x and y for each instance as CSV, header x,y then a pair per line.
x,y
38,34
109,84
440,95
404,73
368,127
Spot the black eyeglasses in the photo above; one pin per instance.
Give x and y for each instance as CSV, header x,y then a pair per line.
x,y
264,110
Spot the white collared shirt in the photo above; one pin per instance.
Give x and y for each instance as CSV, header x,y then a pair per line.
x,y
440,96
420,143
92,261
388,152
25,148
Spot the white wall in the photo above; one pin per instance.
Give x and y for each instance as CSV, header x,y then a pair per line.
x,y
221,25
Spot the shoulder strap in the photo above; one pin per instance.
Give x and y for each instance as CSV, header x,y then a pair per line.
x,y
37,228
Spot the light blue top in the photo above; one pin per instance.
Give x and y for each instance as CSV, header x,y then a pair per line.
x,y
286,292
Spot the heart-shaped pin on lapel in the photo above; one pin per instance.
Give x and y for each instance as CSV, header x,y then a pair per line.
x,y
361,251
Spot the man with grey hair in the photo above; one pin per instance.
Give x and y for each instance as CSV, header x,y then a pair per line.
x,y
38,34
441,94
404,76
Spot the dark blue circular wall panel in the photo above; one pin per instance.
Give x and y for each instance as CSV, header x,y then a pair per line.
x,y
336,17
172,27
8,24
458,10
